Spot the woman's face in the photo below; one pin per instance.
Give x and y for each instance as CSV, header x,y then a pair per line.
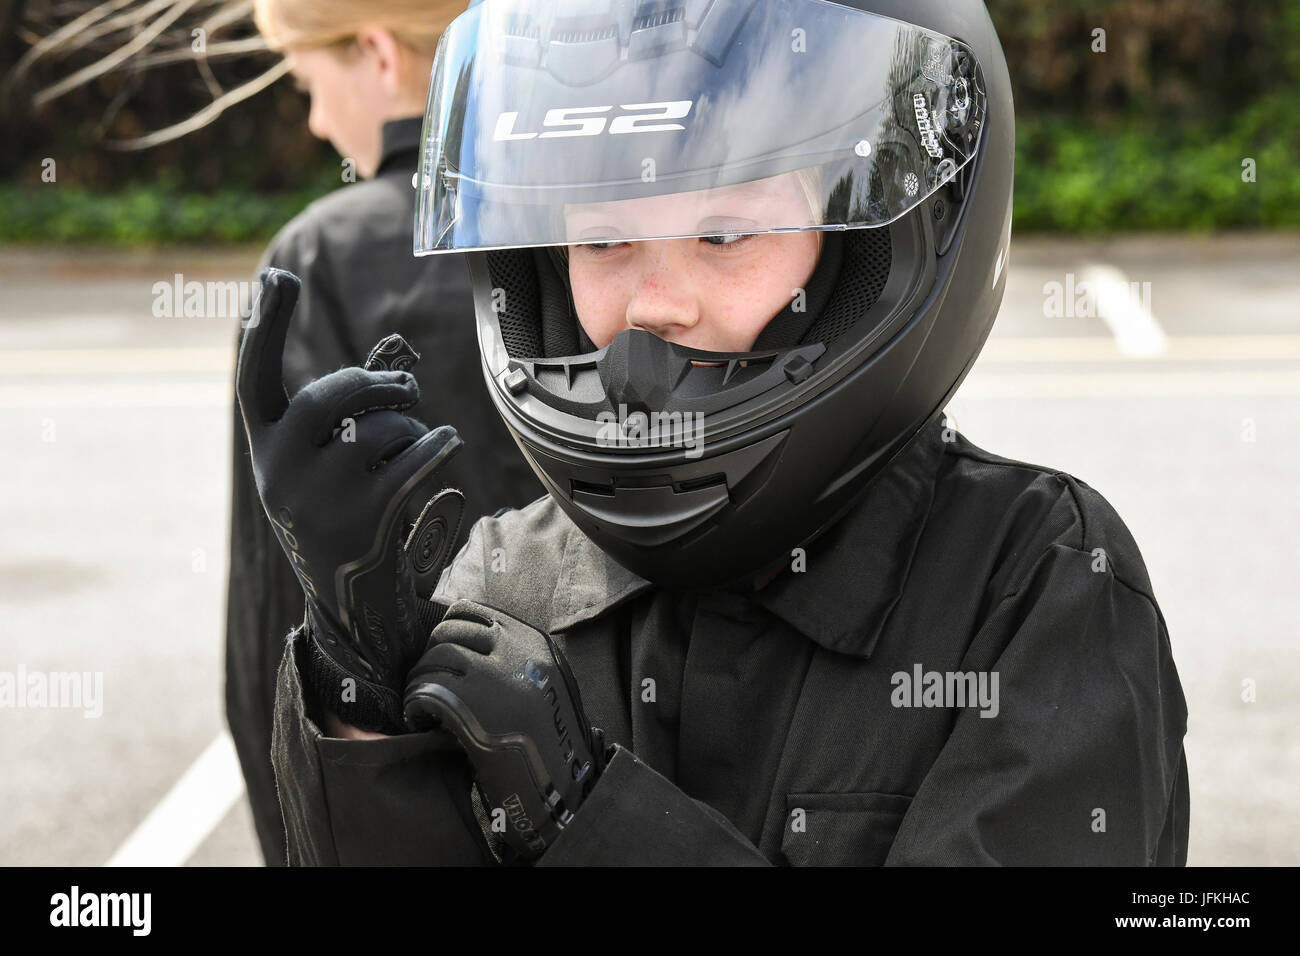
x,y
345,92
714,294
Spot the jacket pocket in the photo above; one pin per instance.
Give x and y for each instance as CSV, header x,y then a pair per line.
x,y
396,801
401,801
841,829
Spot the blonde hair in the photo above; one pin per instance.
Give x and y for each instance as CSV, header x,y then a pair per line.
x,y
416,24
812,181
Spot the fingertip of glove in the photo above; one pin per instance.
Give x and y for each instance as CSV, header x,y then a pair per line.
x,y
272,275
277,284
391,377
446,433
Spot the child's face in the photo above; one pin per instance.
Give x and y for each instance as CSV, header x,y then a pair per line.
x,y
714,294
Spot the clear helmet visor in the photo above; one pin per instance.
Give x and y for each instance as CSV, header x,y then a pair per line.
x,y
603,121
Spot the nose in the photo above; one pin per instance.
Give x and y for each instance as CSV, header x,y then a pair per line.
x,y
664,302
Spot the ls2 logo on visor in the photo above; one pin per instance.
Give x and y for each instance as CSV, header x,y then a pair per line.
x,y
590,121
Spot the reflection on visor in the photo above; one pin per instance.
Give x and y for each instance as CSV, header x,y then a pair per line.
x,y
743,209
566,122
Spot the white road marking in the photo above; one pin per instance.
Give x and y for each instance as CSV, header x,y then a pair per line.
x,y
191,810
1125,307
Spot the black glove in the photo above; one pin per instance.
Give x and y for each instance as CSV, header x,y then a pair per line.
x,y
350,485
505,691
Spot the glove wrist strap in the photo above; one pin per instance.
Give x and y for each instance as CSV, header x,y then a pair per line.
x,y
353,700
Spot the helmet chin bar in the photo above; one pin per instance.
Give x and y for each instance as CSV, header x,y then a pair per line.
x,y
640,372
646,373
653,506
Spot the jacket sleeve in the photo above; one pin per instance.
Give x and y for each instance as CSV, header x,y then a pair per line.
x,y
636,816
404,800
1081,761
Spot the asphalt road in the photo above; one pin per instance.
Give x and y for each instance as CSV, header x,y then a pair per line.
x,y
1179,402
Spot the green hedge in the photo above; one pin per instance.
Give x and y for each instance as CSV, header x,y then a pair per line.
x,y
142,215
1138,179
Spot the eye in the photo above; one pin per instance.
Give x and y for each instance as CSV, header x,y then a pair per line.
x,y
730,239
596,248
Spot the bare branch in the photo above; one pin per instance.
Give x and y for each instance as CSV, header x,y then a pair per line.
x,y
215,89
129,20
122,53
139,35
214,51
51,42
227,14
205,115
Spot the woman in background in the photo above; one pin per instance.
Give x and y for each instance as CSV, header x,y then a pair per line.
x,y
366,68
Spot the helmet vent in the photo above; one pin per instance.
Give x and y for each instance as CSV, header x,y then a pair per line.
x,y
587,36
658,18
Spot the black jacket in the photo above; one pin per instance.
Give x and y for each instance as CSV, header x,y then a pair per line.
x,y
360,281
799,724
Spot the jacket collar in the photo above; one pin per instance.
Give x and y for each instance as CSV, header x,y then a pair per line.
x,y
854,573
400,142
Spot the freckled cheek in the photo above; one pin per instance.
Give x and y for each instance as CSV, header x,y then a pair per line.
x,y
601,302
744,302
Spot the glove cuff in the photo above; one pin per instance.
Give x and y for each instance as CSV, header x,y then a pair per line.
x,y
353,700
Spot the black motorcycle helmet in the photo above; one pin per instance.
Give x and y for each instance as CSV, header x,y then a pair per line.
x,y
896,119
